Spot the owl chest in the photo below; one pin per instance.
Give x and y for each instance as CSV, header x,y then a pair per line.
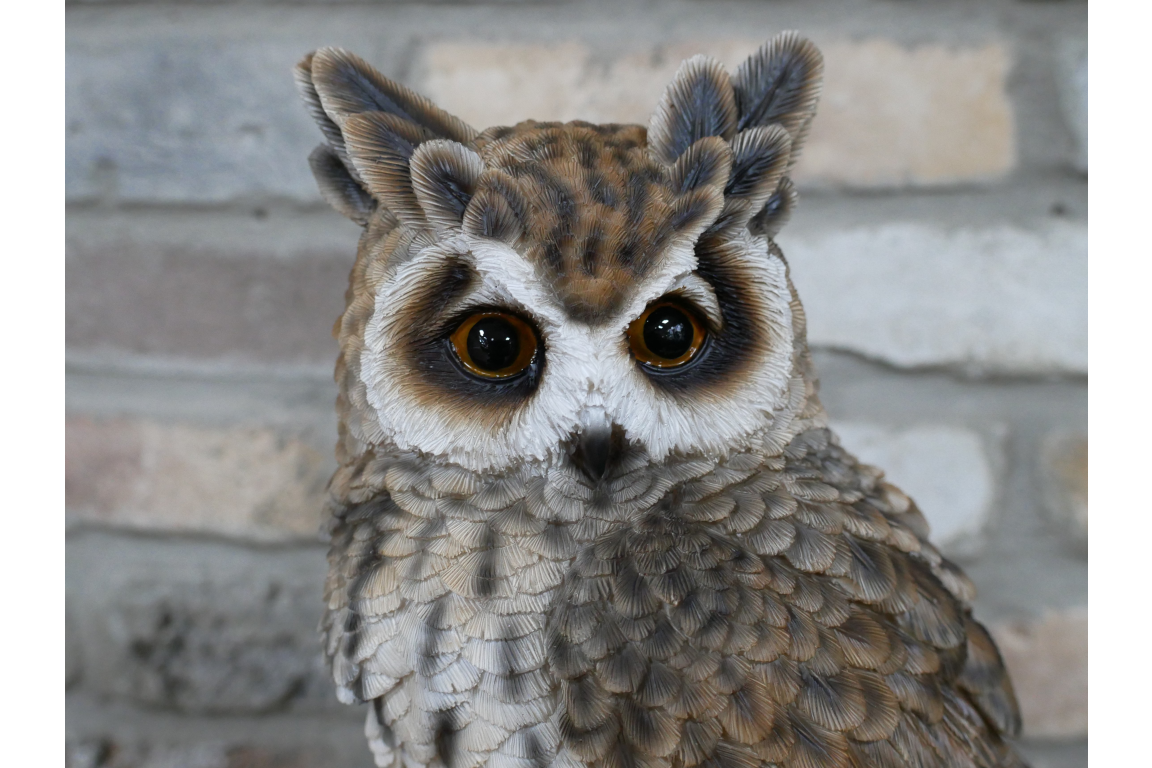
x,y
462,663
479,602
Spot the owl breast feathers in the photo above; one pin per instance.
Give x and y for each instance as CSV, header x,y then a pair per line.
x,y
588,510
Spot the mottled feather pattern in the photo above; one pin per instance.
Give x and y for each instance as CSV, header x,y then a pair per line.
x,y
740,610
773,603
593,210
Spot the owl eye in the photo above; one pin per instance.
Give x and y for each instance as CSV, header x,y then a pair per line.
x,y
667,335
494,345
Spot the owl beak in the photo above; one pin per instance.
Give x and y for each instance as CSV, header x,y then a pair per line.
x,y
593,452
597,444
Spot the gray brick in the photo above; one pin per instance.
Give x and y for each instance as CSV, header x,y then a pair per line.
x,y
298,402
1056,754
103,733
1000,298
107,753
198,626
1063,474
1072,82
72,664
1047,656
231,287
178,119
241,481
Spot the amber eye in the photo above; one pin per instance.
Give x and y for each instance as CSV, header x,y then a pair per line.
x,y
495,345
667,335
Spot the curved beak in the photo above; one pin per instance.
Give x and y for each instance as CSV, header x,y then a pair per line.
x,y
597,444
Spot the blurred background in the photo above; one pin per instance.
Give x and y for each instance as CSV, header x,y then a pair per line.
x,y
940,249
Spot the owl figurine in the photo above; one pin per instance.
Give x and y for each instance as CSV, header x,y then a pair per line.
x,y
588,509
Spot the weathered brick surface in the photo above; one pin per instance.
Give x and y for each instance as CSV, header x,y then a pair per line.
x,y
1000,299
106,753
1061,753
924,115
945,469
1063,467
72,663
1072,81
889,115
199,627
184,118
238,287
111,733
1047,657
246,482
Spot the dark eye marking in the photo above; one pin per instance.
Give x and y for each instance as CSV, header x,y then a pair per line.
x,y
726,352
440,377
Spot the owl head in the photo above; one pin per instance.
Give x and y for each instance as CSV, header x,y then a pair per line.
x,y
553,293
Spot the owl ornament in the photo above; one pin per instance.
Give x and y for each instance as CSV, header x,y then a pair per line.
x,y
588,510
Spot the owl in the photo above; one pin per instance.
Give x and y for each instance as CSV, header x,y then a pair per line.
x,y
588,509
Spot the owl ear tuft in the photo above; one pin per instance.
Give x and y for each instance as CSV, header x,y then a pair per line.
x,y
706,163
699,102
780,85
372,126
776,212
348,85
776,93
380,147
444,177
339,183
699,176
760,157
304,83
339,187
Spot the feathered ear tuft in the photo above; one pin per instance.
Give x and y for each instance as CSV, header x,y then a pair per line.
x,y
699,176
780,85
380,147
706,163
759,159
699,102
764,111
776,212
777,88
303,76
372,126
339,183
347,85
339,187
444,176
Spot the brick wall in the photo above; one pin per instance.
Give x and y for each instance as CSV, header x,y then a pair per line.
x,y
940,249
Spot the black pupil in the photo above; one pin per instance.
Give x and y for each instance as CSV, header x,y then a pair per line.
x,y
493,344
668,332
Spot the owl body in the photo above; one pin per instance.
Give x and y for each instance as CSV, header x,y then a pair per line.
x,y
589,511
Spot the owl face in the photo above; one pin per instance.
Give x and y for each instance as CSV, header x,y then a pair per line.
x,y
550,293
